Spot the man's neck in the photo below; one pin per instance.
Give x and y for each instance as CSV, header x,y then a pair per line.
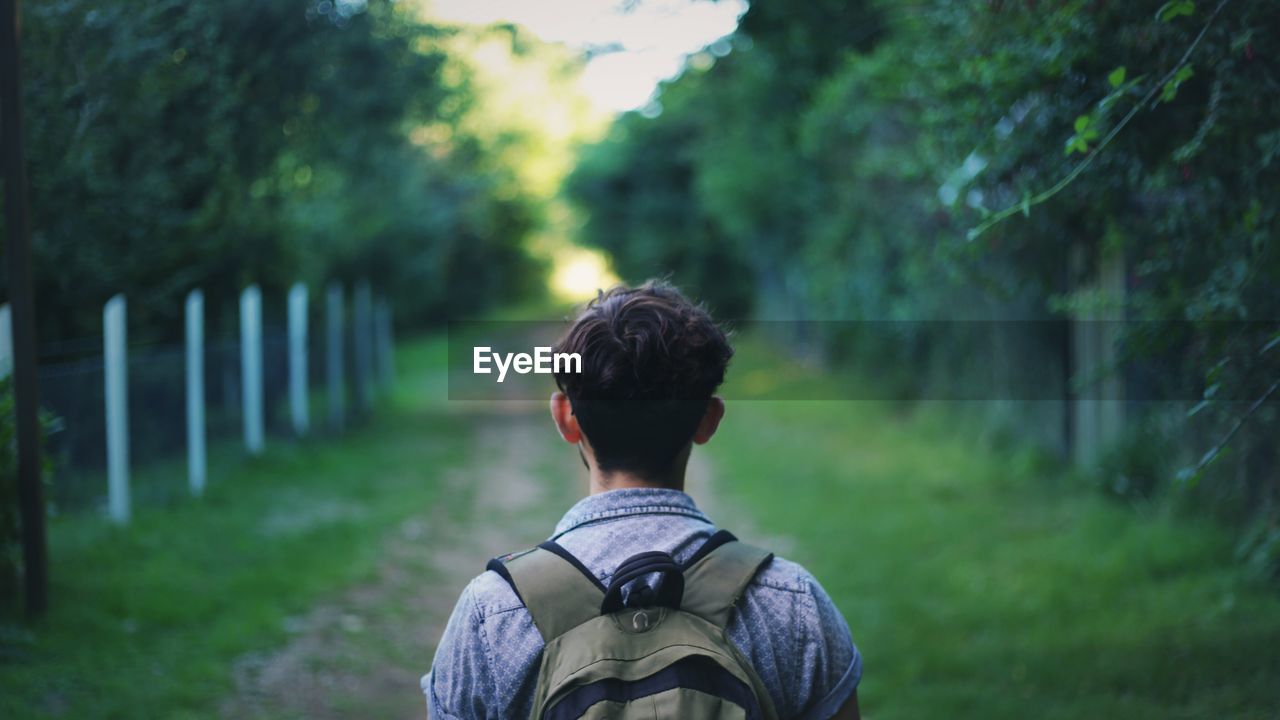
x,y
603,482
599,482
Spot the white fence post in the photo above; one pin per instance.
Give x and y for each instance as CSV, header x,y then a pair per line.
x,y
333,356
386,345
196,462
298,359
364,346
251,367
6,341
116,381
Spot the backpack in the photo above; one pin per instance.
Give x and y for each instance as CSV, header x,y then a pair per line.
x,y
661,653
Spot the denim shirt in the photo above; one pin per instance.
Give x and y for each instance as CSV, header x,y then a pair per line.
x,y
487,663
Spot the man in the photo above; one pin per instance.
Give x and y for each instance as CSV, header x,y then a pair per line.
x,y
651,362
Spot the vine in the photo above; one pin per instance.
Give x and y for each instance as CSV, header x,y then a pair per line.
x,y
1166,86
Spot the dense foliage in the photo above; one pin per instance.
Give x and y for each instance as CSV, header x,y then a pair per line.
x,y
1067,160
174,145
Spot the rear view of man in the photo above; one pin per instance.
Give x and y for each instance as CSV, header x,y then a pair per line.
x,y
638,605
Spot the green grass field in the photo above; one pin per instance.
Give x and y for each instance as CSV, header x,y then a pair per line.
x,y
975,584
980,585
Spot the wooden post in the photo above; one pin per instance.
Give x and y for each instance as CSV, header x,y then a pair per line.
x,y
298,359
116,380
1111,281
197,465
363,327
251,367
1098,417
333,357
6,341
35,556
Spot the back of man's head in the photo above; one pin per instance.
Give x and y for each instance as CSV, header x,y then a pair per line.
x,y
651,360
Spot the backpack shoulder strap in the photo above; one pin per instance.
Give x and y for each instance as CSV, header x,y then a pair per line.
x,y
557,589
717,575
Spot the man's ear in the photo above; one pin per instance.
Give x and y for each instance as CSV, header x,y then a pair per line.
x,y
710,420
566,423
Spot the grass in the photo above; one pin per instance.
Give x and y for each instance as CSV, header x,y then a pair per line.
x,y
150,618
976,585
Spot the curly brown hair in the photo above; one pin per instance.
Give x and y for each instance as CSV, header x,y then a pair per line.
x,y
651,360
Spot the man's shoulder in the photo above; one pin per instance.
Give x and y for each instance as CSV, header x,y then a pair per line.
x,y
783,575
796,638
785,599
491,595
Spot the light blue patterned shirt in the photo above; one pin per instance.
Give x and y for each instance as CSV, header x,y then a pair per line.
x,y
487,663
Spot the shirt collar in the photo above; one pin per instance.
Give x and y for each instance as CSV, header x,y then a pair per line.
x,y
625,502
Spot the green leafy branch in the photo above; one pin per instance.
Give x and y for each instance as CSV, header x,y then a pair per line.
x,y
1191,475
1086,127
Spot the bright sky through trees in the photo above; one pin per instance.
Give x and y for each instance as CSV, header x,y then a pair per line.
x,y
633,45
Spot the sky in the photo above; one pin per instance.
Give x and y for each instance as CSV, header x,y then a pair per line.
x,y
634,44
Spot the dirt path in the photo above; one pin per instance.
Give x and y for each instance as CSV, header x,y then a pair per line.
x,y
361,655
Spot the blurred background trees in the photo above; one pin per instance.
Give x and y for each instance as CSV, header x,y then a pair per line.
x,y
175,145
862,161
838,161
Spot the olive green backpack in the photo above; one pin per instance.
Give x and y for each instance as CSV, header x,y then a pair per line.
x,y
661,654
